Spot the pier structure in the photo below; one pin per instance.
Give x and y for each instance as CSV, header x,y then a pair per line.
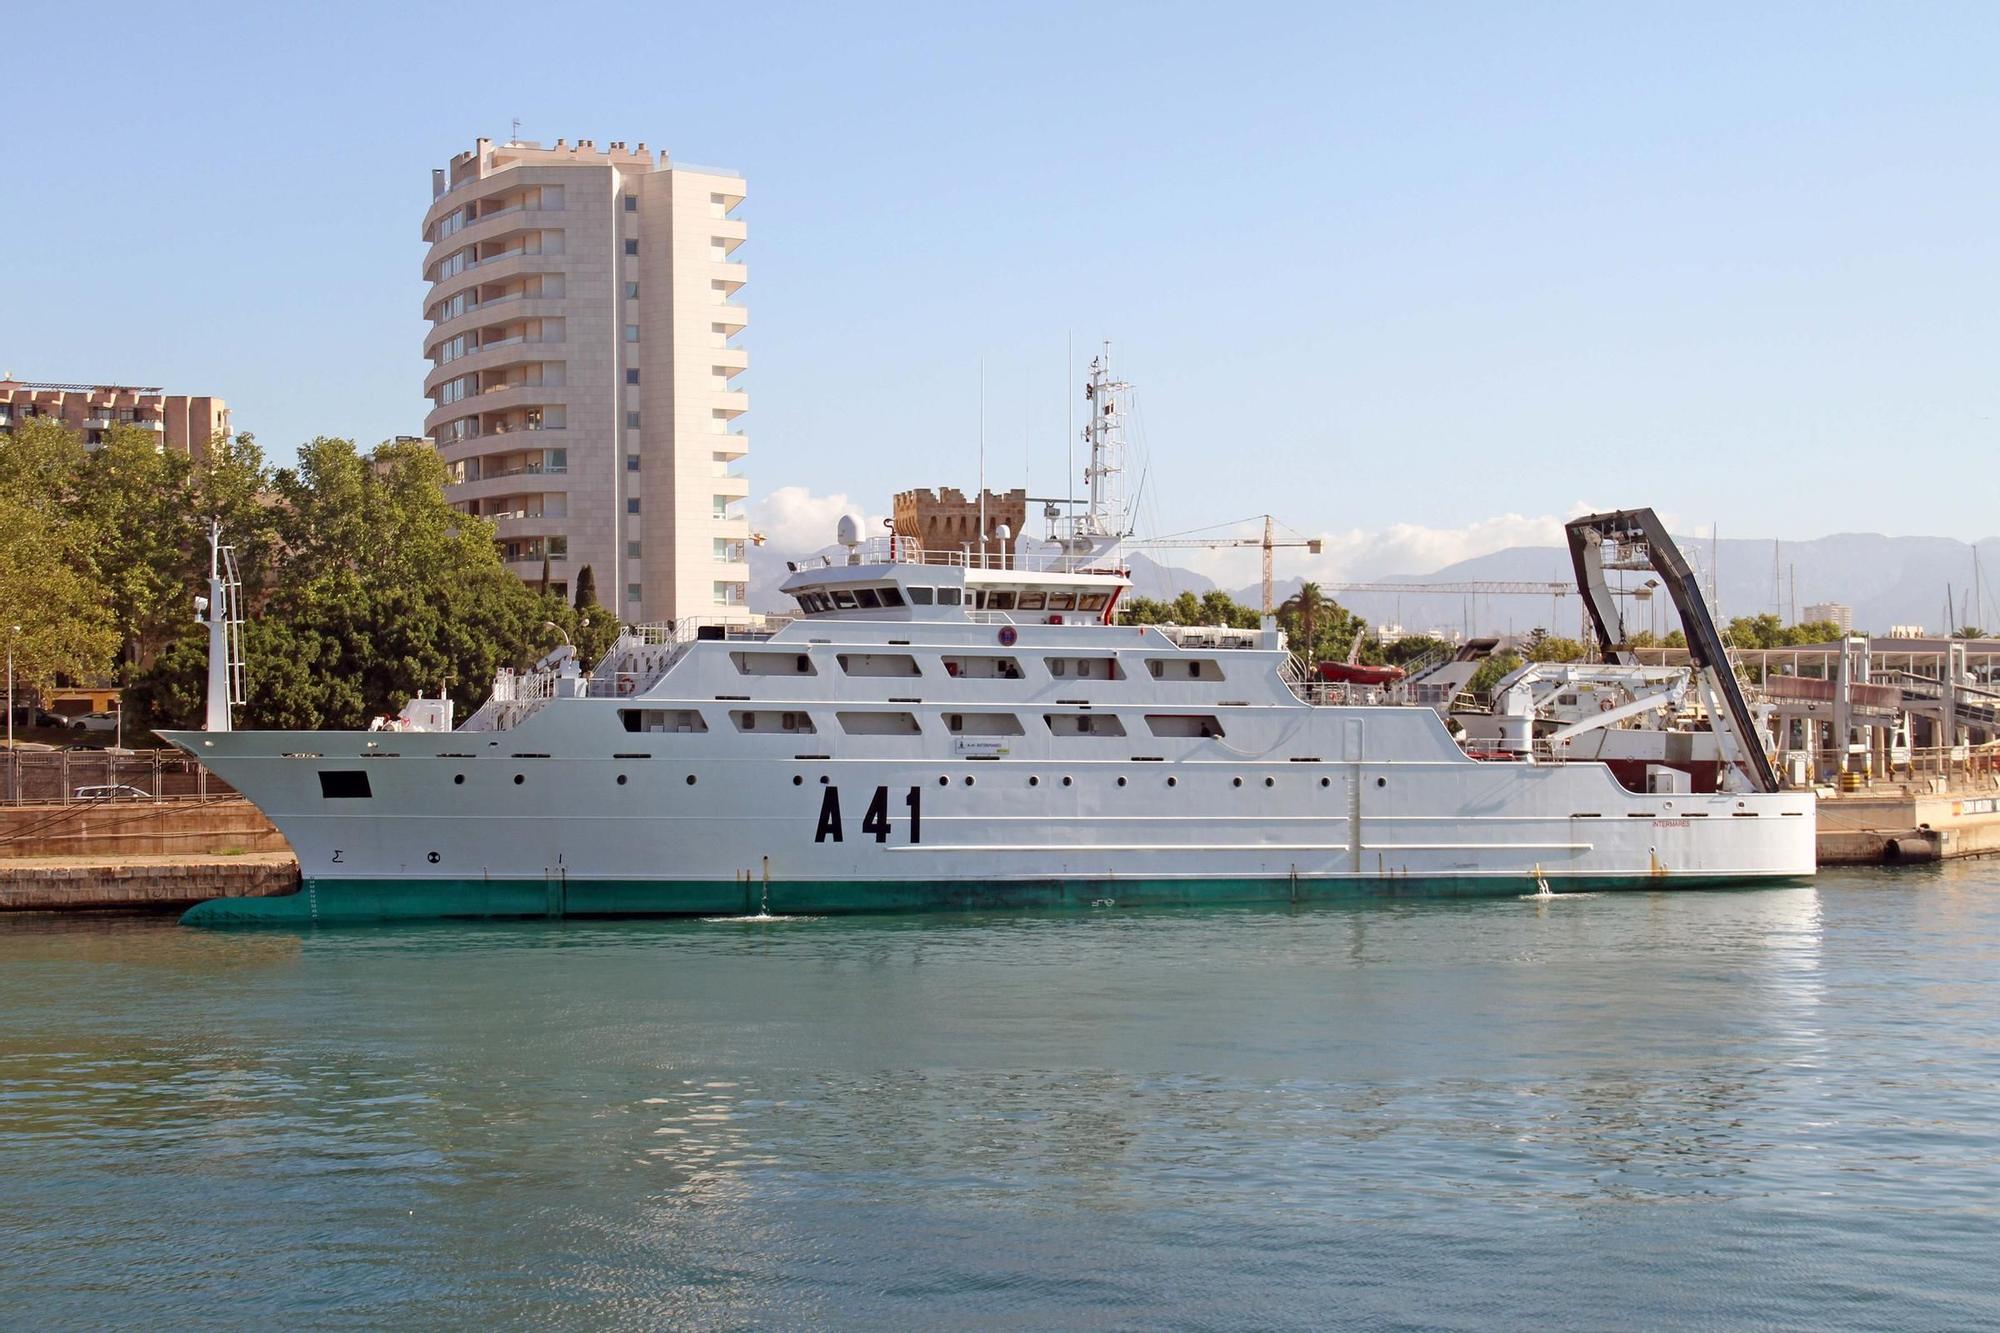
x,y
1861,709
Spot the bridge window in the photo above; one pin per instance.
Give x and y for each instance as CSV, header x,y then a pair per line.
x,y
843,599
1092,601
948,596
870,600
1034,601
891,597
1062,601
1001,601
920,596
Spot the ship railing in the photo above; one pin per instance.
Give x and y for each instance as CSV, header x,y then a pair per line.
x,y
910,551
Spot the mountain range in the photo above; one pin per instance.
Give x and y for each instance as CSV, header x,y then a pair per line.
x,y
1886,580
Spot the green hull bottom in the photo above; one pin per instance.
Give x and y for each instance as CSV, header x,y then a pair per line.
x,y
337,902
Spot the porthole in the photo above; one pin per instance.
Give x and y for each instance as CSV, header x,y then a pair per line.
x,y
519,779
1121,782
1236,782
1066,782
458,779
943,781
621,779
824,779
1034,782
968,780
1270,782
690,779
1326,782
1381,782
797,781
1173,782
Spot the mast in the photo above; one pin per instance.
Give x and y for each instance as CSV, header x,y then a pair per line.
x,y
223,606
1105,516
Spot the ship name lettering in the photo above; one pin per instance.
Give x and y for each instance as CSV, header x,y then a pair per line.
x,y
875,821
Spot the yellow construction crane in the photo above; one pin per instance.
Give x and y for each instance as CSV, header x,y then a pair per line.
x,y
1268,542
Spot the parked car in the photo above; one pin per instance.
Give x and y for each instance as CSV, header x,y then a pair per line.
x,y
98,722
116,791
25,716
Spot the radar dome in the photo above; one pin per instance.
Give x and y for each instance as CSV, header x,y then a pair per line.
x,y
849,531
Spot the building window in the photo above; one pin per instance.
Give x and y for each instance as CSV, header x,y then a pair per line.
x,y
632,376
631,504
631,592
631,291
558,548
631,421
631,333
631,246
631,550
631,462
631,203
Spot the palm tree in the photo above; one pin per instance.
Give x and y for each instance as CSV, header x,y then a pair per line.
x,y
1306,604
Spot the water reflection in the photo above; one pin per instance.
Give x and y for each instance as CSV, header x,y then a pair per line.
x,y
928,1120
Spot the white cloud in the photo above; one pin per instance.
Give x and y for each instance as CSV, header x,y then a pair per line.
x,y
794,520
1362,554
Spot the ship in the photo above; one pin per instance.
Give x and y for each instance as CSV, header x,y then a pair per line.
x,y
970,730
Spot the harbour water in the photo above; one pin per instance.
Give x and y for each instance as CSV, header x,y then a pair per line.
x,y
1774,1107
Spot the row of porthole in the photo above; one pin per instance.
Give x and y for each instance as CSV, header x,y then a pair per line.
x,y
458,779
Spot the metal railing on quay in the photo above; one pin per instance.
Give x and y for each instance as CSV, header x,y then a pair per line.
x,y
40,777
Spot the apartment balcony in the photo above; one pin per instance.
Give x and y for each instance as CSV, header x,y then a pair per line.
x,y
733,360
505,481
730,277
517,306
494,356
513,396
728,233
729,403
730,316
499,268
731,444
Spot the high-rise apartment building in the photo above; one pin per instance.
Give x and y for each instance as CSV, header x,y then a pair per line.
x,y
582,346
184,423
1838,613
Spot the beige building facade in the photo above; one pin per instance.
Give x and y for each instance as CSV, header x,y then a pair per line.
x,y
182,422
583,345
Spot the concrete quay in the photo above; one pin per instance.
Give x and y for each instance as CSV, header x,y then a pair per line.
x,y
1914,821
126,882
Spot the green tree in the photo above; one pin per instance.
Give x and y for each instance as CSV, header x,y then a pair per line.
x,y
1555,648
385,592
64,628
1210,608
1491,671
586,587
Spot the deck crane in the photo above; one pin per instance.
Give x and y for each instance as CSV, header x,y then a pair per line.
x,y
1268,542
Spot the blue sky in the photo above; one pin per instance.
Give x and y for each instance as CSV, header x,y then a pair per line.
x,y
1420,265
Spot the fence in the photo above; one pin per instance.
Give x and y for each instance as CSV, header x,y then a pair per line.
x,y
68,776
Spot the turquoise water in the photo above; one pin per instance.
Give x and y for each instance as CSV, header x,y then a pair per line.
x,y
1777,1108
